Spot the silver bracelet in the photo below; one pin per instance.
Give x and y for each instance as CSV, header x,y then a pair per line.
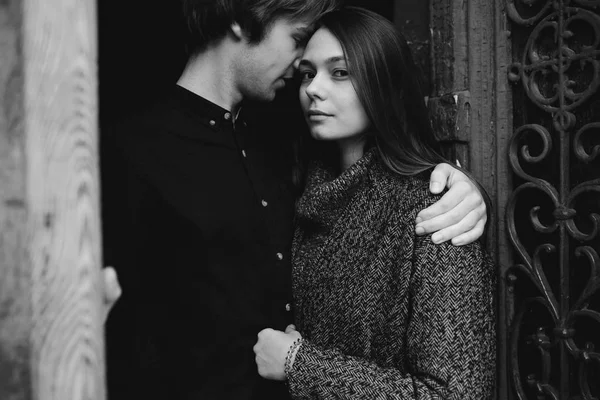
x,y
288,358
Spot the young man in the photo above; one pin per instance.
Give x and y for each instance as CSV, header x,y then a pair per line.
x,y
206,230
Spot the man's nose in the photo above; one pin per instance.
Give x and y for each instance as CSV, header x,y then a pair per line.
x,y
289,73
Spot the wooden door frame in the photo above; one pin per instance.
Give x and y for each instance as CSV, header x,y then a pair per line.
x,y
51,341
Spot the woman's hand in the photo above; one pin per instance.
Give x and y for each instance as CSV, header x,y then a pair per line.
x,y
271,350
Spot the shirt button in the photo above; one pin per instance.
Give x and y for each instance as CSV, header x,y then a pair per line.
x,y
279,256
264,203
244,153
227,116
288,307
212,122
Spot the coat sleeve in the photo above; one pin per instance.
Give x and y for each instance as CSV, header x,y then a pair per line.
x,y
450,344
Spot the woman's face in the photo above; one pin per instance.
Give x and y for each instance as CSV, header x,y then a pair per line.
x,y
328,99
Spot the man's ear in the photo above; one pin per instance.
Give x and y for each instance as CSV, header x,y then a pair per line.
x,y
237,31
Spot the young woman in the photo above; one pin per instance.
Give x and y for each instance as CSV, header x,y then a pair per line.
x,y
379,311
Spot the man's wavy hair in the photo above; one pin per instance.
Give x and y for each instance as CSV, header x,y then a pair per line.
x,y
209,20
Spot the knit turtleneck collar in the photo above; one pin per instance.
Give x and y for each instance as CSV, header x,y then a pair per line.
x,y
327,195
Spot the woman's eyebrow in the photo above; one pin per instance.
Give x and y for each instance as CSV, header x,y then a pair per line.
x,y
335,59
330,60
305,63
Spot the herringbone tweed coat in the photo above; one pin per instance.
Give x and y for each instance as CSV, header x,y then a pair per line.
x,y
386,314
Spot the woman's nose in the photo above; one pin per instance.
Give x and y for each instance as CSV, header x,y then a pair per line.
x,y
314,89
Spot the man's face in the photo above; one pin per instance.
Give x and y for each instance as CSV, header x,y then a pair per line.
x,y
262,66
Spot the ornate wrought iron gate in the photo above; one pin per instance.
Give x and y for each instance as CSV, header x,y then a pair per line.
x,y
551,290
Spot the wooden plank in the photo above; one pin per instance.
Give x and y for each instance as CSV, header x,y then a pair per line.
x,y
470,103
491,129
450,101
504,185
50,302
15,323
483,117
449,46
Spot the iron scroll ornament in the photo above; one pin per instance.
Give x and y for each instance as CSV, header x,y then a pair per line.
x,y
559,72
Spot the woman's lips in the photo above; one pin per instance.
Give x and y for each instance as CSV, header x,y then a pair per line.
x,y
317,115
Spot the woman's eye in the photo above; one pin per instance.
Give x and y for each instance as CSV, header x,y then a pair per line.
x,y
306,75
340,73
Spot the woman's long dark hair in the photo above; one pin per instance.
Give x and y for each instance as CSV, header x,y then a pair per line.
x,y
387,82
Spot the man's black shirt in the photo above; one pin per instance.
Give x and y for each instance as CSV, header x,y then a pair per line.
x,y
202,248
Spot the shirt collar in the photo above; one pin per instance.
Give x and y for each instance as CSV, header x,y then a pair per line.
x,y
207,112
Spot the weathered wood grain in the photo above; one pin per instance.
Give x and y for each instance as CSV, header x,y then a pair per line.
x,y
503,179
471,104
484,118
15,282
449,46
50,318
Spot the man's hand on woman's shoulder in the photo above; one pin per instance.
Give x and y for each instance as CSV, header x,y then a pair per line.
x,y
460,215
